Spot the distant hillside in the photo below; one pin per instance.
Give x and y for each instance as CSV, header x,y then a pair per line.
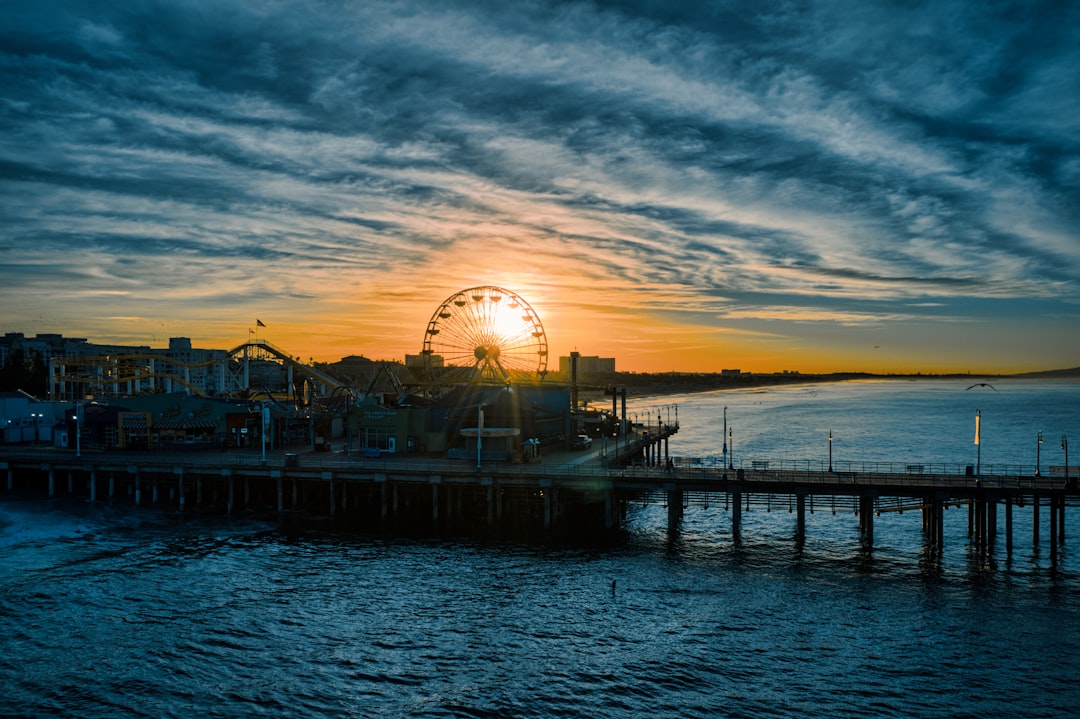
x,y
1074,372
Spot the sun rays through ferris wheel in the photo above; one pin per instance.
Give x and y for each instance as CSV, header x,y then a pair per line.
x,y
485,334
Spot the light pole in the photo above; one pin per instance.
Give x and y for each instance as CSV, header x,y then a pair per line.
x,y
731,450
1038,451
830,450
978,447
724,454
479,432
78,429
265,414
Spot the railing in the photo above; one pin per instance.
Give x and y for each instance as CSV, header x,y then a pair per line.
x,y
817,465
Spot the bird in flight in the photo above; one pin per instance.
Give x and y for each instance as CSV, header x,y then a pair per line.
x,y
983,384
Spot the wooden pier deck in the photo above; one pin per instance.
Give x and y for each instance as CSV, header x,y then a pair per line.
x,y
567,493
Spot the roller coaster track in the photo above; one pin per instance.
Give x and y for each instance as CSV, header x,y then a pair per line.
x,y
240,352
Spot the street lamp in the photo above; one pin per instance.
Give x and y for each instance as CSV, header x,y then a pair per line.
x,y
479,432
265,416
830,450
978,446
723,437
1038,451
78,428
731,450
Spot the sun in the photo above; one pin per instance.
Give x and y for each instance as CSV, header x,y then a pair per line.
x,y
490,331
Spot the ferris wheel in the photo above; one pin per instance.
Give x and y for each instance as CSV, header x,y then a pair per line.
x,y
485,334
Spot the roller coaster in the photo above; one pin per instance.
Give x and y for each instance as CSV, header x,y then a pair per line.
x,y
254,370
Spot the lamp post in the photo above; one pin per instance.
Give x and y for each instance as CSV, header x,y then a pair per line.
x,y
479,432
830,450
731,450
978,446
265,414
1038,451
78,429
723,437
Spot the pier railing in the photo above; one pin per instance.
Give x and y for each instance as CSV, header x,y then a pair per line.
x,y
848,466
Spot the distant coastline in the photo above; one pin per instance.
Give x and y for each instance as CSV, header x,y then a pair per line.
x,y
667,383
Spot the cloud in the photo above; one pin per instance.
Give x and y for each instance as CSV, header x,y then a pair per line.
x,y
681,164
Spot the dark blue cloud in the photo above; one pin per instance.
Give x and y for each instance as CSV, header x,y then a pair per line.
x,y
722,159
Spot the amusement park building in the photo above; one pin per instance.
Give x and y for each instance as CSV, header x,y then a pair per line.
x,y
140,397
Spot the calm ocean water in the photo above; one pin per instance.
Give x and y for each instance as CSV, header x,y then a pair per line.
x,y
117,612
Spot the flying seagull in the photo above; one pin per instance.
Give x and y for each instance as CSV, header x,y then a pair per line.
x,y
983,384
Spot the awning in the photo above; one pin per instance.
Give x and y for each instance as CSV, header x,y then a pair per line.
x,y
187,424
490,431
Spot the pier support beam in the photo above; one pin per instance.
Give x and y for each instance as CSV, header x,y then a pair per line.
x,y
609,509
736,517
280,494
1053,528
486,482
435,481
674,510
1008,526
800,516
937,523
52,482
179,472
991,521
134,471
93,485
866,520
549,497
384,492
1061,520
328,477
1035,521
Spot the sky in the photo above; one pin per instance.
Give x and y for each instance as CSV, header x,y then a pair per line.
x,y
764,185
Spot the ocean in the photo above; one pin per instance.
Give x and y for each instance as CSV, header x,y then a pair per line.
x,y
115,611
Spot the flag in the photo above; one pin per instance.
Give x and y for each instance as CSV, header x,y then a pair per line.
x,y
259,323
976,426
251,331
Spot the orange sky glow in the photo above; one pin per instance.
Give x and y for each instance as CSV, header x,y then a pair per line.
x,y
687,188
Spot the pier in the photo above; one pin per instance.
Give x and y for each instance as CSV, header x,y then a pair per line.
x,y
568,494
